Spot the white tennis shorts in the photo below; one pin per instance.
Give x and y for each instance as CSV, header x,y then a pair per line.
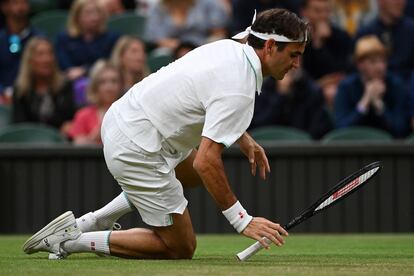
x,y
147,179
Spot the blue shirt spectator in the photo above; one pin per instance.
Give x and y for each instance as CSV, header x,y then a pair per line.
x,y
85,40
396,31
371,97
13,38
203,21
11,48
394,118
75,51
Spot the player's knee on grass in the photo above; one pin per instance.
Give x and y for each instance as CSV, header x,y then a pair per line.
x,y
185,250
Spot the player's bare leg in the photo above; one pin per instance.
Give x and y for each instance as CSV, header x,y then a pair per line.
x,y
172,242
105,217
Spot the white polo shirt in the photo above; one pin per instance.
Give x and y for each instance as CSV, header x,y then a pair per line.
x,y
209,92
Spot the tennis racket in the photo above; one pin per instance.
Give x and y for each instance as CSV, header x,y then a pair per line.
x,y
342,190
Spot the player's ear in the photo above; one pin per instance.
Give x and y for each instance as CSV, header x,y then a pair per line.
x,y
269,45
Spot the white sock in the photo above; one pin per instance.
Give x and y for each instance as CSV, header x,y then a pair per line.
x,y
112,211
89,242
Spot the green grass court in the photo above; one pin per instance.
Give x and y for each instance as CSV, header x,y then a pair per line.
x,y
322,254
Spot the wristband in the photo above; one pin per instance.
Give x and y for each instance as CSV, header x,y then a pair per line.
x,y
237,216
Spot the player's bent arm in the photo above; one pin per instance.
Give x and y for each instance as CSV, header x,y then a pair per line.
x,y
209,165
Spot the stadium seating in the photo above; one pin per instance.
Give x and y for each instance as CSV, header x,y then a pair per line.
x,y
50,22
356,134
5,116
30,133
280,133
38,6
157,59
128,23
410,138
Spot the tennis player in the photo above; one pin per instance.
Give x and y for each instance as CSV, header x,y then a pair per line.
x,y
205,100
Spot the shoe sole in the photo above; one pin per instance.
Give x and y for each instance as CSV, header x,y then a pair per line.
x,y
46,231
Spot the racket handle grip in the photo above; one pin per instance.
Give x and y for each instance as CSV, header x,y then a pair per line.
x,y
251,250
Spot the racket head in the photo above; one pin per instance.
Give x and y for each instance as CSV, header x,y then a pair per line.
x,y
340,191
347,186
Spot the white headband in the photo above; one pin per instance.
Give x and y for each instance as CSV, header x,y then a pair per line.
x,y
275,37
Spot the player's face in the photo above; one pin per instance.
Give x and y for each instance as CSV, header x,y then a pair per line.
x,y
280,62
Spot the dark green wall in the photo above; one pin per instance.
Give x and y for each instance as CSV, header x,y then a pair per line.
x,y
38,183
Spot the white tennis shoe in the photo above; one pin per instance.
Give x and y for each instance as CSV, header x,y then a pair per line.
x,y
50,238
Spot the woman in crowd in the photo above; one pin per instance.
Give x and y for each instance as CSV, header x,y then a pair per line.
x,y
85,40
130,58
41,92
103,89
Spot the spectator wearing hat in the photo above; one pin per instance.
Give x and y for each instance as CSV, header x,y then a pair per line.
x,y
371,96
396,31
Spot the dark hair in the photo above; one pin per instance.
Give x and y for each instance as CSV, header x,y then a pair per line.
x,y
277,21
183,45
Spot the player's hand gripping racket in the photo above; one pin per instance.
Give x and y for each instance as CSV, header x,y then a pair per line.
x,y
343,189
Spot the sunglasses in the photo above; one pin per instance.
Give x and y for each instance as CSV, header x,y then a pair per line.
x,y
15,44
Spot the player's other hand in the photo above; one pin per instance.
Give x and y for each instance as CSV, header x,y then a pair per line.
x,y
256,155
259,228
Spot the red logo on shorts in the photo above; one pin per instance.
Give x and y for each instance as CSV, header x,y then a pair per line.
x,y
241,215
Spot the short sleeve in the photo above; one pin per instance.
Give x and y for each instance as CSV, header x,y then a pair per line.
x,y
227,118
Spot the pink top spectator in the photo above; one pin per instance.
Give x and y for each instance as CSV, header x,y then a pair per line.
x,y
86,121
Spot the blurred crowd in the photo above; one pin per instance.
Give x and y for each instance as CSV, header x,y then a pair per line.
x,y
357,69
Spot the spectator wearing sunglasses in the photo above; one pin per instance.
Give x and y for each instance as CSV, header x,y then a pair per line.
x,y
13,38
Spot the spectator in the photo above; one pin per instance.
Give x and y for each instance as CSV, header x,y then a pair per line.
x,y
86,39
296,101
41,93
243,11
350,14
104,88
196,21
371,97
396,32
130,58
113,5
13,39
329,52
182,49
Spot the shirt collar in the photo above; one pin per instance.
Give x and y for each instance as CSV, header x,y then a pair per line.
x,y
254,62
